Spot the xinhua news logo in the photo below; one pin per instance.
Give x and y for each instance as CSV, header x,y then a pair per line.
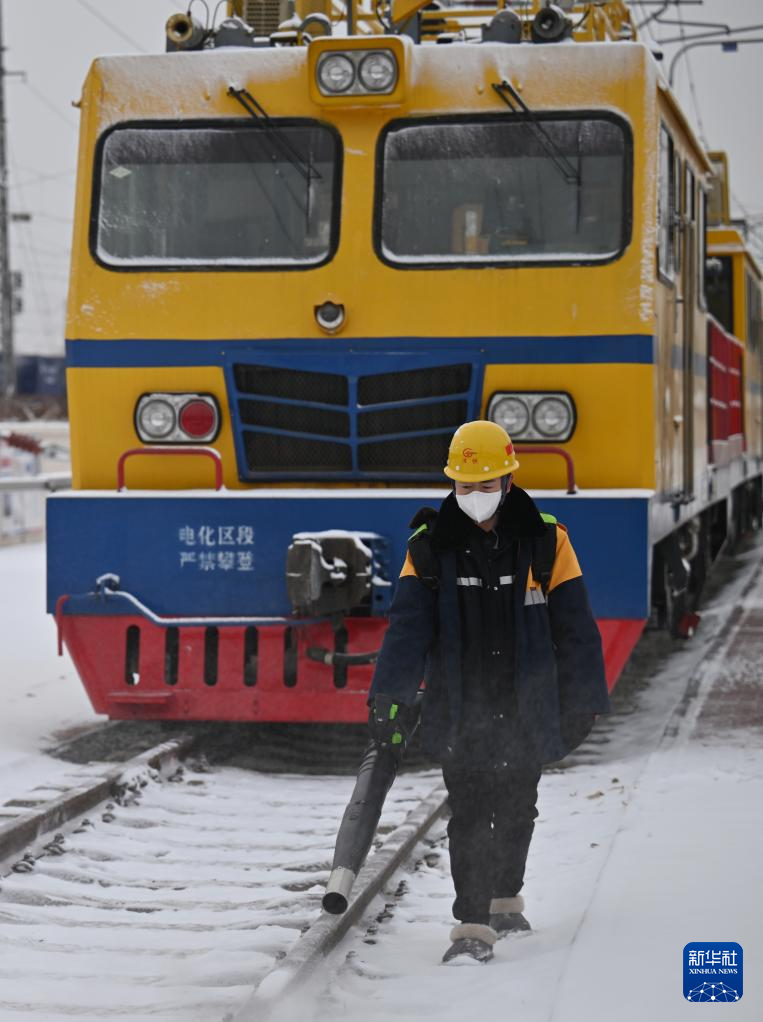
x,y
713,971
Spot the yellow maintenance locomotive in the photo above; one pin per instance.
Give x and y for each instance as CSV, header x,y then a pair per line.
x,y
306,248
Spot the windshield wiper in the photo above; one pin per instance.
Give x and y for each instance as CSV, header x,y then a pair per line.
x,y
517,105
255,110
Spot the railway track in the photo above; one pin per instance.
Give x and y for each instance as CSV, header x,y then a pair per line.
x,y
183,890
174,898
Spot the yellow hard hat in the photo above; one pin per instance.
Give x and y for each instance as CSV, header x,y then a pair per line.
x,y
480,450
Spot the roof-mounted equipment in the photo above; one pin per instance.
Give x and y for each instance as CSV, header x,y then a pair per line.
x,y
506,27
316,24
551,25
184,32
234,31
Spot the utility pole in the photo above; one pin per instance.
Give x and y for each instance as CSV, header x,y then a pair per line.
x,y
8,376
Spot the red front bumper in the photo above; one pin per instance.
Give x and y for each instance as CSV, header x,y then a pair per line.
x,y
135,668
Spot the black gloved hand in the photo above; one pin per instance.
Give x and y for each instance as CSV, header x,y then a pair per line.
x,y
391,723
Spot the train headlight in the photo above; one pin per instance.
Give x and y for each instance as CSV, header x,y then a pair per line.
x,y
357,72
177,418
534,416
336,74
552,417
378,71
512,413
156,419
359,69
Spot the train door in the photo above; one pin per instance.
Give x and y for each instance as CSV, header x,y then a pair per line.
x,y
751,390
689,303
668,311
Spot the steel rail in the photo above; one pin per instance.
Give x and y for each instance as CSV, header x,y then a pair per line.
x,y
305,957
28,827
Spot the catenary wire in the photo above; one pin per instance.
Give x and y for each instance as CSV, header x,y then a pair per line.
x,y
692,88
42,98
40,178
110,24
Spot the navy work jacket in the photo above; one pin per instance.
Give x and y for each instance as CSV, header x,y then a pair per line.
x,y
558,674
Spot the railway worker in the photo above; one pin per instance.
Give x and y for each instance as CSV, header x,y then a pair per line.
x,y
492,612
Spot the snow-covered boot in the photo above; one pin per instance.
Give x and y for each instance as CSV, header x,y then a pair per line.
x,y
471,942
506,916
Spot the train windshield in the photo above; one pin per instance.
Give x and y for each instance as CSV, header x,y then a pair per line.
x,y
201,195
539,190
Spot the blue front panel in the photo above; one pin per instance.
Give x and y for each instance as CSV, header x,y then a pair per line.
x,y
224,556
611,539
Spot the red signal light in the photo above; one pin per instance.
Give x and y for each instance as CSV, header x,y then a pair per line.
x,y
197,419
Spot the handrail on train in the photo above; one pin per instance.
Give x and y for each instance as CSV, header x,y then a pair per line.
x,y
571,485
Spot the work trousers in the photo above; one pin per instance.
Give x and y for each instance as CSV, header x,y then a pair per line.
x,y
492,822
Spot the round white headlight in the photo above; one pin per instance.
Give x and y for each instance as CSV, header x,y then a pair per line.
x,y
511,413
156,419
336,73
378,72
552,417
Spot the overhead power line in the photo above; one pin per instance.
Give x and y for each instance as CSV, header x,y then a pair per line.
x,y
715,31
40,178
728,45
42,98
692,89
110,24
663,6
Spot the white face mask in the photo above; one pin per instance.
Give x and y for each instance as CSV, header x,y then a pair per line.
x,y
478,505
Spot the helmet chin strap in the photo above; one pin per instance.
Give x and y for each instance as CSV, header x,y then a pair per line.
x,y
506,483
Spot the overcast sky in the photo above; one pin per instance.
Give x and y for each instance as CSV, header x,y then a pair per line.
x,y
54,41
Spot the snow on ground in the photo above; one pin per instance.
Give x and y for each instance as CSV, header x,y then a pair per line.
x,y
175,908
41,695
630,861
657,845
171,910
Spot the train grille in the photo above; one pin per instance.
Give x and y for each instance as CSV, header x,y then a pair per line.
x,y
264,15
300,423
